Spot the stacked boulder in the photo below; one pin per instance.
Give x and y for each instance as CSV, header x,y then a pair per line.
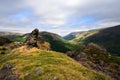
x,y
34,39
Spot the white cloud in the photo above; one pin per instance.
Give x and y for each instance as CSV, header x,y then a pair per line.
x,y
20,29
58,14
53,12
64,32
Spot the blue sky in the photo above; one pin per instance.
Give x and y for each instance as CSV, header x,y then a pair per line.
x,y
58,16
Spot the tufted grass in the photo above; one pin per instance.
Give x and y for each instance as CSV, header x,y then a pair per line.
x,y
50,64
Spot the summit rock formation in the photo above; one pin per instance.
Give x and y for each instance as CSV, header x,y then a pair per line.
x,y
34,39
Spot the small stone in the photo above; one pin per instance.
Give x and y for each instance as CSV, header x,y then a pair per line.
x,y
14,68
37,72
101,62
55,78
39,64
12,77
94,55
28,75
8,66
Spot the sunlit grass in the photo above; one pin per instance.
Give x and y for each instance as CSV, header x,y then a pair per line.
x,y
51,64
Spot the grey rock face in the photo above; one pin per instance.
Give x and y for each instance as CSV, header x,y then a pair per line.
x,y
7,74
33,38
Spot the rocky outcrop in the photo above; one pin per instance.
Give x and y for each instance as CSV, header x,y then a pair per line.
x,y
34,39
95,57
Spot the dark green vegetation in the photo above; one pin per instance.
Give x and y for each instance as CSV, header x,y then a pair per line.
x,y
108,38
4,41
16,38
35,64
58,43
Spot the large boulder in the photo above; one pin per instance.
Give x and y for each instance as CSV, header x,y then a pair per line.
x,y
6,72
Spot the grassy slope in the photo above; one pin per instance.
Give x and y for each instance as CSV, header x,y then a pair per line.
x,y
108,38
58,43
80,38
13,36
50,64
4,40
16,38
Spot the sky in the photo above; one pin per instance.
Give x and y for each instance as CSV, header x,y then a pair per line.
x,y
58,16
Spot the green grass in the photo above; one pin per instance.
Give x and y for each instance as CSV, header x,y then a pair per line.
x,y
19,39
59,44
16,38
50,64
115,59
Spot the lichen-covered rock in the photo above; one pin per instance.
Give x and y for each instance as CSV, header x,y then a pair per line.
x,y
37,71
6,73
12,77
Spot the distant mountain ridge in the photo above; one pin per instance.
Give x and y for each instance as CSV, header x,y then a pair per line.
x,y
9,33
72,35
107,37
13,36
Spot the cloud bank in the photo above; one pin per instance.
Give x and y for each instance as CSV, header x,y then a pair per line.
x,y
59,16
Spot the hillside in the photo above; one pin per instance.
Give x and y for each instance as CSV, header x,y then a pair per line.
x,y
13,36
97,58
4,40
72,35
33,64
57,43
108,38
9,33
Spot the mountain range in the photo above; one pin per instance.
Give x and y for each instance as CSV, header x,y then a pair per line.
x,y
107,38
41,55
